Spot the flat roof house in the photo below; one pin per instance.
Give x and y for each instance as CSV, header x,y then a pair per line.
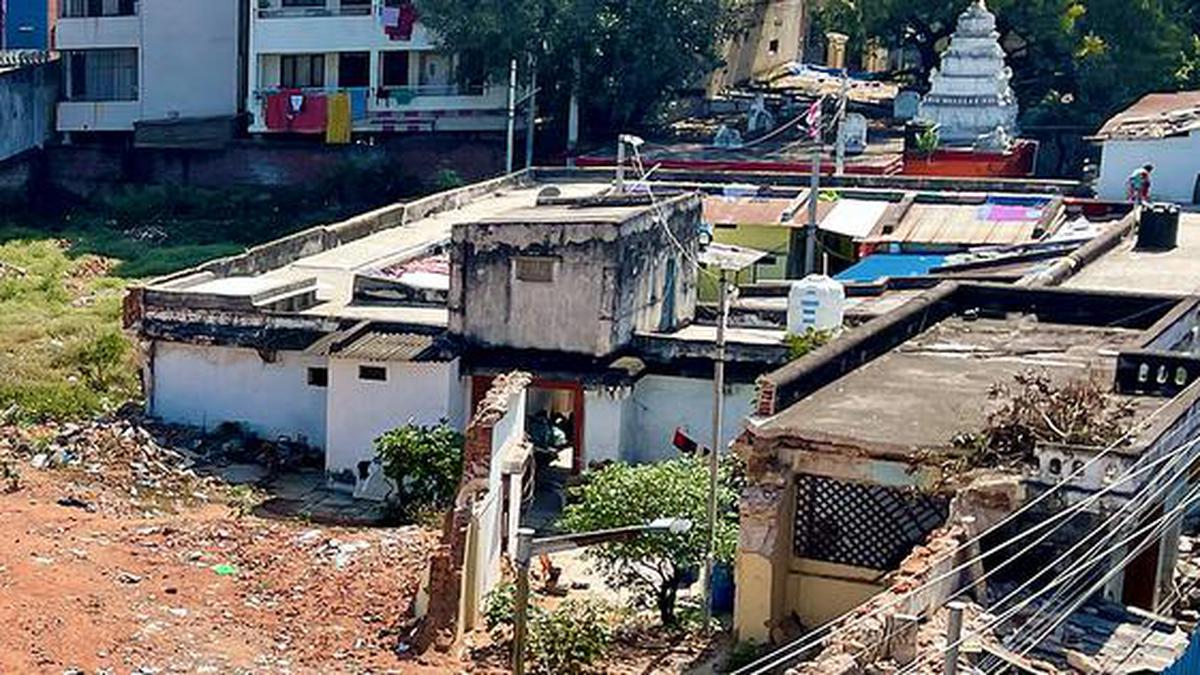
x,y
1162,129
337,334
857,461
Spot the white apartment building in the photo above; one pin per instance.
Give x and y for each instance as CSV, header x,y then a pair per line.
x,y
305,53
131,61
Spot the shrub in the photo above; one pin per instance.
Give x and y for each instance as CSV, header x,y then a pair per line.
x,y
425,463
654,565
101,359
1034,409
803,343
41,401
569,639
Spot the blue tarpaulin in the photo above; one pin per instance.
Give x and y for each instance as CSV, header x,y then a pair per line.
x,y
881,265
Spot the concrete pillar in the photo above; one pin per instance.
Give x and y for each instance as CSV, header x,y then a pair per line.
x,y
763,555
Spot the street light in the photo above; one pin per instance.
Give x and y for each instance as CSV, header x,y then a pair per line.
x,y
528,547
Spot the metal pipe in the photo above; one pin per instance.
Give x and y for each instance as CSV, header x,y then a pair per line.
x,y
841,130
531,113
573,113
512,116
714,456
620,184
521,609
814,195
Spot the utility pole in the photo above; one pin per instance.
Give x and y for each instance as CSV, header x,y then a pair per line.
x,y
573,113
953,637
714,456
531,114
841,130
814,193
512,116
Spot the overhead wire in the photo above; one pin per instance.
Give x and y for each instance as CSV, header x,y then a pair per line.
x,y
1176,455
788,652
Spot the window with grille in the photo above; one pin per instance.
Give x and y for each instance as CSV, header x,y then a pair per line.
x,y
535,270
298,71
102,75
860,524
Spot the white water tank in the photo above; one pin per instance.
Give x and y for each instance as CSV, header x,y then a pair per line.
x,y
817,303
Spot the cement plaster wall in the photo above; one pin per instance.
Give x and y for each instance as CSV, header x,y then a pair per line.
x,y
207,385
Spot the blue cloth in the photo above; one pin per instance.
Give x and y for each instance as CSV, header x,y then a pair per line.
x,y
358,104
881,265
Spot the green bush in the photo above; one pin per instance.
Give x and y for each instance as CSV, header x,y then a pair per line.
x,y
102,359
654,565
425,463
808,341
569,639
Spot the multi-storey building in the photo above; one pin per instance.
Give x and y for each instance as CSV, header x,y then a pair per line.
x,y
127,62
376,54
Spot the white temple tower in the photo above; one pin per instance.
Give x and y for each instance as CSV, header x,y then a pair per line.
x,y
970,97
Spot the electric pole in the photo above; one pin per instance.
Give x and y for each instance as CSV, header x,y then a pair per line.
x,y
512,116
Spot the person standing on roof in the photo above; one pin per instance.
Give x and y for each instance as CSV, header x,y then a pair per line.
x,y
1138,185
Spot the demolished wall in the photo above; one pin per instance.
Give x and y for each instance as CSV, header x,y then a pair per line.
x,y
449,574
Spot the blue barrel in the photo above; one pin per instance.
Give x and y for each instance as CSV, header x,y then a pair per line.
x,y
722,589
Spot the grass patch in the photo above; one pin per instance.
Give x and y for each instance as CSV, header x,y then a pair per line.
x,y
61,348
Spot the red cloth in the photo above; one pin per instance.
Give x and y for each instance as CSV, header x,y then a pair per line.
x,y
408,19
311,119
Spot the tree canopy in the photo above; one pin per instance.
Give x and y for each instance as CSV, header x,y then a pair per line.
x,y
633,56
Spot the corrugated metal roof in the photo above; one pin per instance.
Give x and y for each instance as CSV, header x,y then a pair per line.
x,y
1155,116
381,342
375,345
966,224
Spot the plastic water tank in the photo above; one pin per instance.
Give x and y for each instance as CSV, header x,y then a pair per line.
x,y
817,303
1158,228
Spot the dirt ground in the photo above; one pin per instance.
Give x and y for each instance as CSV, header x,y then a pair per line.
x,y
92,586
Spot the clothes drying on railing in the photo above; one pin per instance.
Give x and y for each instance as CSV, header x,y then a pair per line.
x,y
398,20
337,131
358,103
296,111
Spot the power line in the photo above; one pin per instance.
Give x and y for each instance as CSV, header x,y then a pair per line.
x,y
1177,455
786,653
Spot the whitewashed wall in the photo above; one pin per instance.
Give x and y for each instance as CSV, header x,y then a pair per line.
x,y
205,385
1176,164
359,411
662,403
604,413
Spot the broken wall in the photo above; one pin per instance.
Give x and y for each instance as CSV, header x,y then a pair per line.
x,y
466,565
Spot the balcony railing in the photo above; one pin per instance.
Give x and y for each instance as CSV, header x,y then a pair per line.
x,y
399,95
267,10
87,9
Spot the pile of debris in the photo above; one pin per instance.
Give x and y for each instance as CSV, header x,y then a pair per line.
x,y
118,452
